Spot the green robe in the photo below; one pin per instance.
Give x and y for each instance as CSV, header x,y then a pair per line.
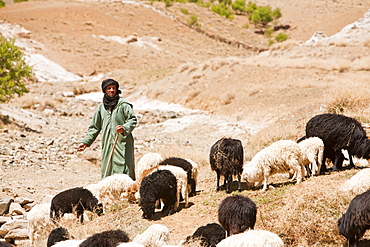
x,y
123,160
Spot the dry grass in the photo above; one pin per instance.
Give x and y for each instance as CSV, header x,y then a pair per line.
x,y
349,101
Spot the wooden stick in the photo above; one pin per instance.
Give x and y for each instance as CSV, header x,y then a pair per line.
x,y
111,155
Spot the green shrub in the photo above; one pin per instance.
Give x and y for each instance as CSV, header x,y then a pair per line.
x,y
184,11
246,26
268,32
276,14
18,1
13,70
250,8
281,37
223,10
225,2
261,15
2,4
239,6
168,3
193,21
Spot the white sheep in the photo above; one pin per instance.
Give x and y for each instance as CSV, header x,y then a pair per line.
x,y
194,174
68,243
279,157
94,189
112,187
182,183
39,220
252,238
357,184
130,244
147,161
155,236
312,154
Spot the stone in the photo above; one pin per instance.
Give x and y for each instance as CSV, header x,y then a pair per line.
x,y
5,203
16,209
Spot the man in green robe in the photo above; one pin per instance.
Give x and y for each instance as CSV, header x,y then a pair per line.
x,y
116,119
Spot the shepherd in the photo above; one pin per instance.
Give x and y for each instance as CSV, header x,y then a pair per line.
x,y
115,118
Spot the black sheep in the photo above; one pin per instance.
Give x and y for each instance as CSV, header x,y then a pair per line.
x,y
237,213
184,164
76,199
106,239
226,158
354,223
57,235
159,185
338,132
209,235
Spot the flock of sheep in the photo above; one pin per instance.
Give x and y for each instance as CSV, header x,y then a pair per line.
x,y
164,183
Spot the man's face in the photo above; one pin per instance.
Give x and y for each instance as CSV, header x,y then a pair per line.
x,y
111,90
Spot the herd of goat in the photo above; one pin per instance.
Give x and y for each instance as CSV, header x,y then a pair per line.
x,y
164,183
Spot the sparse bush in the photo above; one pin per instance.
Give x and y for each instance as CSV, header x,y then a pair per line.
x,y
225,2
250,8
193,21
281,37
168,3
239,6
13,70
223,10
268,32
347,102
246,26
2,4
262,15
276,14
184,11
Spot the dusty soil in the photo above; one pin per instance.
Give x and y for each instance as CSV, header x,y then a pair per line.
x,y
227,75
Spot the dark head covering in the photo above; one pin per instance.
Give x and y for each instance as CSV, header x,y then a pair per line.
x,y
108,82
110,102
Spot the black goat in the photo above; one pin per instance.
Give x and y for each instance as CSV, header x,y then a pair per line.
x,y
106,239
159,185
77,199
237,213
354,223
57,235
186,165
338,132
226,158
209,235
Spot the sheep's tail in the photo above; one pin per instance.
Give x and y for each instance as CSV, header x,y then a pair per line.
x,y
301,139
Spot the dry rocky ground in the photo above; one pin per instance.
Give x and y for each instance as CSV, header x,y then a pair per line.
x,y
240,92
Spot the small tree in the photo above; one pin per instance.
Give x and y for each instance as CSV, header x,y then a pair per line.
x,y
281,37
13,70
250,8
262,15
239,6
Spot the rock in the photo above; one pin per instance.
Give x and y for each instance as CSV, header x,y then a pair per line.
x,y
23,201
4,219
16,234
5,203
12,225
16,209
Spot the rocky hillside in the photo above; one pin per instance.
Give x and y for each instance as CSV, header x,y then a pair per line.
x,y
189,87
